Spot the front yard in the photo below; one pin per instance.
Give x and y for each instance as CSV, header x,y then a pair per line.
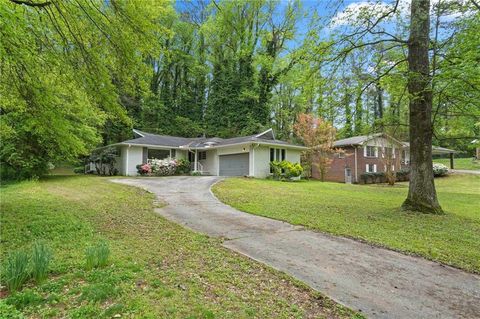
x,y
371,213
156,269
460,163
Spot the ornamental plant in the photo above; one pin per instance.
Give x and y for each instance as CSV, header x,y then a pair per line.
x,y
285,170
163,167
439,170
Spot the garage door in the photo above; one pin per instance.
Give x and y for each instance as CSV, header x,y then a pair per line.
x,y
234,165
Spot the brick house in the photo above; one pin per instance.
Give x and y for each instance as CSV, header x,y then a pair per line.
x,y
370,154
361,154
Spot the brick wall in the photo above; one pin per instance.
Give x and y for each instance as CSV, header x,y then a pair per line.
x,y
336,172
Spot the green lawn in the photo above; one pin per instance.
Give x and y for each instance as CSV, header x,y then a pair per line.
x,y
460,163
157,269
371,213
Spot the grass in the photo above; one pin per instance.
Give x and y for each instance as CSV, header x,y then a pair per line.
x,y
460,163
155,269
371,213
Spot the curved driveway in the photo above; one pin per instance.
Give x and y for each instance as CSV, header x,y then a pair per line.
x,y
378,282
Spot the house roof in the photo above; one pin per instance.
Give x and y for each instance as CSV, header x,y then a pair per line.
x,y
360,140
146,139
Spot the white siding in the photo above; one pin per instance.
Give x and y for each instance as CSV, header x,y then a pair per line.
x,y
131,157
210,165
262,161
293,155
261,155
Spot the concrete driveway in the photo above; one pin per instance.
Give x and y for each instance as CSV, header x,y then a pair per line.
x,y
378,282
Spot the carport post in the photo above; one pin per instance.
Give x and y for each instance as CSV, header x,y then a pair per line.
x,y
196,161
451,160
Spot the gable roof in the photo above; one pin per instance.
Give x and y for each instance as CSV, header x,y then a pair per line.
x,y
149,139
362,139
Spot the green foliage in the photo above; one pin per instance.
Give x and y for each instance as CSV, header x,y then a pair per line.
x,y
65,76
183,167
25,298
8,311
276,169
79,170
104,160
99,292
97,256
16,270
285,170
41,257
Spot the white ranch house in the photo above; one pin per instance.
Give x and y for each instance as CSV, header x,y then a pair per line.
x,y
238,156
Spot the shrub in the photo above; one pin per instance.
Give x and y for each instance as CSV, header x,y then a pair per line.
x,y
285,170
144,169
41,257
291,170
165,167
16,271
403,174
97,256
439,170
79,170
373,177
276,169
183,167
104,161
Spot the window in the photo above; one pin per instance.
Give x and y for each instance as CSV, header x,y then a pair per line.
x,y
371,168
277,154
173,153
158,154
341,155
371,151
202,155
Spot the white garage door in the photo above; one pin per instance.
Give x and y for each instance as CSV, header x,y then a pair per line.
x,y
234,165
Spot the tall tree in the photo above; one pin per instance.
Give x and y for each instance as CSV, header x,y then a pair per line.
x,y
422,195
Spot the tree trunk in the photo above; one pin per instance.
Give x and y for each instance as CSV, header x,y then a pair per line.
x,y
422,196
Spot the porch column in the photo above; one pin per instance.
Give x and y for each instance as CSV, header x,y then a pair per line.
x,y
451,160
196,161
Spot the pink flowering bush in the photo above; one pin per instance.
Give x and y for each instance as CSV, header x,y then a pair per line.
x,y
164,167
144,169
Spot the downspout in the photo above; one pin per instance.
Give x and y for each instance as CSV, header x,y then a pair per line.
x,y
356,178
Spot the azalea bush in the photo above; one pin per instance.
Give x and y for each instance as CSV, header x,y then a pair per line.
x,y
164,167
144,169
439,170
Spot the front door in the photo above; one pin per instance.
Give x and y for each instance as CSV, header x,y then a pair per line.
x,y
348,175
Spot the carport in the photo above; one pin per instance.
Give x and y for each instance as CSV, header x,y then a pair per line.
x,y
437,150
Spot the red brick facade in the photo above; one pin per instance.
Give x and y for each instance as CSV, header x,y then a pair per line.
x,y
342,162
